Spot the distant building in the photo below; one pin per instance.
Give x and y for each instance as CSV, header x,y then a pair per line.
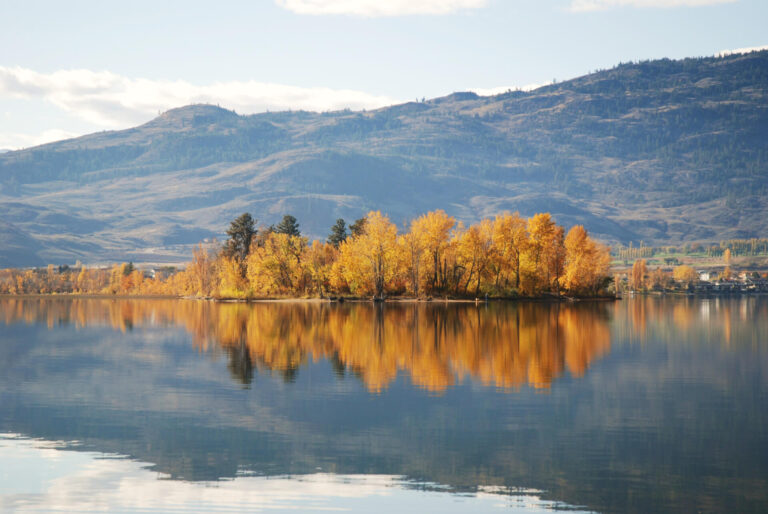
x,y
705,276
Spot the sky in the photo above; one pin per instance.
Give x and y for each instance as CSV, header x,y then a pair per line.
x,y
82,66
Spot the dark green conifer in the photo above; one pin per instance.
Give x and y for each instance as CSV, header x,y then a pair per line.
x,y
338,233
288,226
358,227
240,232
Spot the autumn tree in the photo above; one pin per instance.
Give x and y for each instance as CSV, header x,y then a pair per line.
x,y
555,259
369,261
318,263
544,258
637,277
658,279
727,259
412,253
586,262
231,283
618,283
201,271
473,249
81,282
685,275
510,240
433,232
275,265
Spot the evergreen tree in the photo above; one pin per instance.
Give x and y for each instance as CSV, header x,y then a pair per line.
x,y
240,232
338,233
358,227
288,226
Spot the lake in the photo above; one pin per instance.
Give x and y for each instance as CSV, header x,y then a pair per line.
x,y
649,404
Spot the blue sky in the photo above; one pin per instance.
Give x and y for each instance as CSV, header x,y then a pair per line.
x,y
70,68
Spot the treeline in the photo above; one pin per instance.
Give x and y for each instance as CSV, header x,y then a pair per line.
x,y
122,279
506,256
738,248
641,278
682,277
742,247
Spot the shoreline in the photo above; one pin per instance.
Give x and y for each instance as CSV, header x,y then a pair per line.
x,y
341,299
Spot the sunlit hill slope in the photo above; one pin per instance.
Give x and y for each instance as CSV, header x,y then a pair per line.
x,y
660,151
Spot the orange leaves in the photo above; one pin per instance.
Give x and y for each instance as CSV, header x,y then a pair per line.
x,y
474,248
544,256
371,261
637,278
510,240
201,272
432,232
274,267
506,256
685,274
586,262
231,283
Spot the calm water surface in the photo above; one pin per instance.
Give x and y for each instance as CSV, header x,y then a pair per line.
x,y
644,405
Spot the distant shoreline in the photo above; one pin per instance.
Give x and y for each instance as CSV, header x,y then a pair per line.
x,y
390,300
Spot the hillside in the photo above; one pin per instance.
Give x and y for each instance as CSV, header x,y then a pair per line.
x,y
660,151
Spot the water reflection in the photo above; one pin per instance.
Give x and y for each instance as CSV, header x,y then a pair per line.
x,y
501,345
651,404
741,320
96,482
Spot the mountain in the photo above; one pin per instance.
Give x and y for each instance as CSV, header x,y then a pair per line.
x,y
664,151
17,249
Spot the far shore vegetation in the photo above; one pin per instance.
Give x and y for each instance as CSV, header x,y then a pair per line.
x,y
505,257
435,257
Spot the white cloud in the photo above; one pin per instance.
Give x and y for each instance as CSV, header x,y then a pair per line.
x,y
112,101
737,51
377,8
13,141
78,481
601,5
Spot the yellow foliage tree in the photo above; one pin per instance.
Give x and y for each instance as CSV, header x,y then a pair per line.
x,y
506,255
412,255
274,266
727,259
433,231
544,256
231,283
685,275
318,265
637,278
658,279
473,250
370,261
510,240
586,262
202,272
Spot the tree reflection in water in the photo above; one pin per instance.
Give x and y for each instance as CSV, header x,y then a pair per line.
x,y
506,345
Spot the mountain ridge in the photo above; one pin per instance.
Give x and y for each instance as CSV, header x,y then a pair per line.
x,y
664,151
